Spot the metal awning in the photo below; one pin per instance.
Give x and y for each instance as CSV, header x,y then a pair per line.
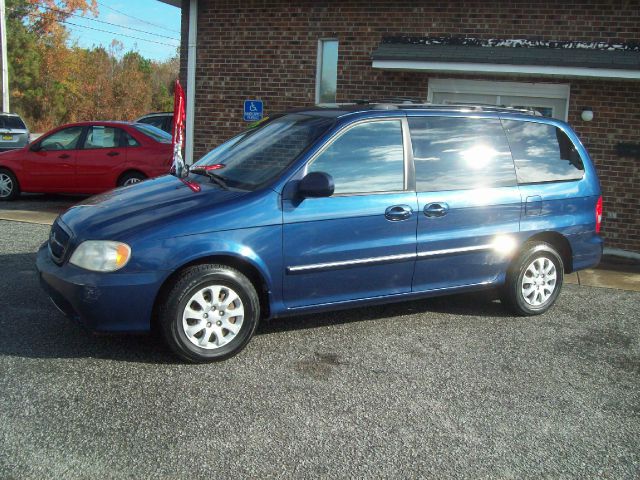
x,y
552,62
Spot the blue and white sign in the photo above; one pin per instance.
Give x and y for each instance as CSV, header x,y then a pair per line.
x,y
253,110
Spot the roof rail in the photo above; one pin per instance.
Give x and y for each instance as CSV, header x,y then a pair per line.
x,y
407,102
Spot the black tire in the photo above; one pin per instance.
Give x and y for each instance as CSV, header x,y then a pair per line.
x,y
190,282
14,185
130,178
512,293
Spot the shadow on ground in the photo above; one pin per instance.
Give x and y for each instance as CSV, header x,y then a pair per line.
x,y
33,328
36,202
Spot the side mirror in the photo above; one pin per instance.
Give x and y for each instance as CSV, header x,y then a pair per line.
x,y
35,147
315,185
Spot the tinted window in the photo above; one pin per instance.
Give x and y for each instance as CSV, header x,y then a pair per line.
x,y
542,153
66,139
460,153
367,158
14,123
157,122
153,132
102,137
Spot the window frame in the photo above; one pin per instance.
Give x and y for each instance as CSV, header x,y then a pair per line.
x,y
319,64
408,168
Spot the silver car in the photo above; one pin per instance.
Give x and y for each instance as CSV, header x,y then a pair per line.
x,y
13,132
161,120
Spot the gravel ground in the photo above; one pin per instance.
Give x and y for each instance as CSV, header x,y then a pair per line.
x,y
450,387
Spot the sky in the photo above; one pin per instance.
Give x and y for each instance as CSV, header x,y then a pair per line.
x,y
150,21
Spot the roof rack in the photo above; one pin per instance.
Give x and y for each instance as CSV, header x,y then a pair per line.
x,y
406,102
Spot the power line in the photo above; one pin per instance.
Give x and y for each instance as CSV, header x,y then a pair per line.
x,y
138,19
119,34
108,23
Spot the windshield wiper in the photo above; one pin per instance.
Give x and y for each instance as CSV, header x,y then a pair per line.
x,y
214,177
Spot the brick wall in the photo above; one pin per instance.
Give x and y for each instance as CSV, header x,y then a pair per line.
x,y
267,50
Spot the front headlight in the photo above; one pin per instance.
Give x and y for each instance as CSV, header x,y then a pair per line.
x,y
101,255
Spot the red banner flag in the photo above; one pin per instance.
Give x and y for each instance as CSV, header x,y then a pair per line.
x,y
177,140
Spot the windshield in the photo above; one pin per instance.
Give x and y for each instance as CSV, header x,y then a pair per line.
x,y
257,156
153,132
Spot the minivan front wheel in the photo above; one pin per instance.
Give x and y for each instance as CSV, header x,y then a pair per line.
x,y
534,280
210,313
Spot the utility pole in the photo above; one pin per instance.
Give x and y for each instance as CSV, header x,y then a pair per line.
x,y
5,65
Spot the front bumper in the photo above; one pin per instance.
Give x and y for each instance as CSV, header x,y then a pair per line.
x,y
102,302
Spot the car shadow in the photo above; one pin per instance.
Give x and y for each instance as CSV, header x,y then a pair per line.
x,y
33,328
43,202
474,304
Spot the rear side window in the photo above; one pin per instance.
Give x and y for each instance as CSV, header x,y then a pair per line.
x,y
367,158
128,140
102,137
453,153
542,153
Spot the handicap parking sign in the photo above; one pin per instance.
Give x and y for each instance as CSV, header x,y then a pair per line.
x,y
253,110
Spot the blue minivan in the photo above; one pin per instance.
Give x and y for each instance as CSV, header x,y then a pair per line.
x,y
328,208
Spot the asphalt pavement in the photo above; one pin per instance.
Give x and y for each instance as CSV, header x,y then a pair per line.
x,y
449,387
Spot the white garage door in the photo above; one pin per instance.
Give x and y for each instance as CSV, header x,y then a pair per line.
x,y
550,99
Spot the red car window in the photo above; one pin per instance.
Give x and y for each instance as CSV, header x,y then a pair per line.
x,y
65,139
102,137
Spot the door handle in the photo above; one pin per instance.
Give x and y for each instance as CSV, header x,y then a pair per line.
x,y
64,155
436,209
113,154
397,213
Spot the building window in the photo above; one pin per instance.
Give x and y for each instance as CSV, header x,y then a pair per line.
x,y
327,74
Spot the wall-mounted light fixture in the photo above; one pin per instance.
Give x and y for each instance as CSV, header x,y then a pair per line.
x,y
587,114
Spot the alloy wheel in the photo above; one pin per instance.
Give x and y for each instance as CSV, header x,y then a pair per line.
x,y
213,316
6,185
539,281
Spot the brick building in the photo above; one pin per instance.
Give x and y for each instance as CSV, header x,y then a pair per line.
x,y
564,58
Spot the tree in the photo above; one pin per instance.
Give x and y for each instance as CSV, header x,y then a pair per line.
x,y
52,82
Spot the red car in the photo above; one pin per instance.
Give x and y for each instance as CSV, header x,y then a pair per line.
x,y
88,157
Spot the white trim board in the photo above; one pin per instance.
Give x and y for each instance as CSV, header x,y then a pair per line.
x,y
500,69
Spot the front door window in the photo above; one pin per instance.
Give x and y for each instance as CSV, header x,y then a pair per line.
x,y
65,139
368,158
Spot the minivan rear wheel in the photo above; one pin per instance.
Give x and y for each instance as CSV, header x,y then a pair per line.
x,y
534,280
210,313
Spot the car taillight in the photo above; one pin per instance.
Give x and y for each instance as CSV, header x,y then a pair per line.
x,y
599,214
